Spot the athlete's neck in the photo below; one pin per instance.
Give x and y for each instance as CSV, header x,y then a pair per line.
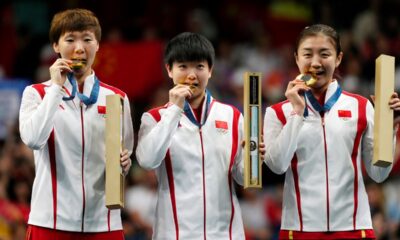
x,y
197,102
80,79
321,91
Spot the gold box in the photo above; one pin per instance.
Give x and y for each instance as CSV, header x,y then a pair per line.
x,y
252,130
114,145
383,118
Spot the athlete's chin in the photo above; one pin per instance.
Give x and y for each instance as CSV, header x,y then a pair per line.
x,y
197,95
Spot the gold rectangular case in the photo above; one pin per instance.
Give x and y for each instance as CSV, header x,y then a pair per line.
x,y
252,130
114,145
383,118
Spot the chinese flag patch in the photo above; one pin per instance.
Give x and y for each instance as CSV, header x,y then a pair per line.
x,y
221,125
344,113
101,109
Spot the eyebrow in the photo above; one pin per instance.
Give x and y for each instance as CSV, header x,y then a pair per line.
x,y
84,33
320,50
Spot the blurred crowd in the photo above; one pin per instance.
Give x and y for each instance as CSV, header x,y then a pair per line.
x,y
253,35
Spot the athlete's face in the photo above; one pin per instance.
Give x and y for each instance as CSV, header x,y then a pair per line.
x,y
81,45
317,55
194,74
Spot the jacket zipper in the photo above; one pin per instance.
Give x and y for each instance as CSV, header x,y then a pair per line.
x,y
204,182
82,168
326,170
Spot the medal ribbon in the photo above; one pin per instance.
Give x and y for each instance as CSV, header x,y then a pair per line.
x,y
327,106
94,94
189,113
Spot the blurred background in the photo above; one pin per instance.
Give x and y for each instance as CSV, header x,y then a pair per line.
x,y
252,35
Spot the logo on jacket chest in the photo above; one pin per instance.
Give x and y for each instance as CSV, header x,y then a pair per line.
x,y
344,114
221,126
101,110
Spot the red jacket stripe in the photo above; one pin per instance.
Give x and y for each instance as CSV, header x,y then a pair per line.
x,y
361,125
171,185
235,143
281,116
297,189
53,171
114,89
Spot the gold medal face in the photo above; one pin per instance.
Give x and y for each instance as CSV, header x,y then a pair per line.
x,y
309,79
191,86
77,64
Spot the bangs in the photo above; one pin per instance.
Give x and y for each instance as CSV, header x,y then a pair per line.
x,y
189,47
189,54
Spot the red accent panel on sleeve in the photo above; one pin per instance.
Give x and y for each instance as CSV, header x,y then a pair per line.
x,y
40,89
155,112
279,111
114,89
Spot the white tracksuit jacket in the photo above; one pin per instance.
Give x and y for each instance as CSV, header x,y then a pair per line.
x,y
194,167
324,189
69,150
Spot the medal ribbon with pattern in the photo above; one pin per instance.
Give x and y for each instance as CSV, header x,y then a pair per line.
x,y
327,106
189,113
94,94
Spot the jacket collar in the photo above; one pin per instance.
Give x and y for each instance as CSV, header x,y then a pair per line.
x,y
204,112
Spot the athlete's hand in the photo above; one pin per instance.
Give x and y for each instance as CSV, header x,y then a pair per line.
x,y
261,148
59,70
293,94
126,162
179,93
394,103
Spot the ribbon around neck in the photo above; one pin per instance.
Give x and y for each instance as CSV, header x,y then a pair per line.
x,y
189,113
327,106
94,94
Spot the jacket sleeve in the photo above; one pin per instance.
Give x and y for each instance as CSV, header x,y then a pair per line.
x,y
128,131
36,116
378,174
238,166
155,138
280,141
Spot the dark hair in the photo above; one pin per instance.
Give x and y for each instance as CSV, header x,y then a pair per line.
x,y
316,29
74,20
190,47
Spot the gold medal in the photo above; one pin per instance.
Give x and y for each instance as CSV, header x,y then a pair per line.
x,y
191,86
309,79
77,64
